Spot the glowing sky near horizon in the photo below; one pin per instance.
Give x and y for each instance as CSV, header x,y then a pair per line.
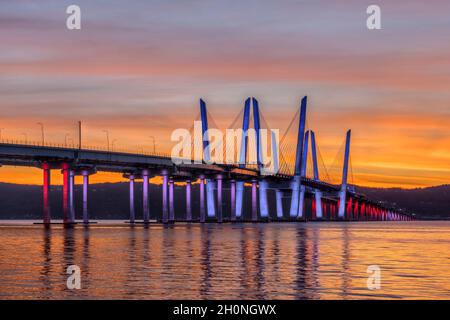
x,y
138,69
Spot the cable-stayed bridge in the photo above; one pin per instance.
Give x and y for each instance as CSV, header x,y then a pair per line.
x,y
295,173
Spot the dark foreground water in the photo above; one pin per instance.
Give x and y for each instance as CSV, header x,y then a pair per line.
x,y
229,261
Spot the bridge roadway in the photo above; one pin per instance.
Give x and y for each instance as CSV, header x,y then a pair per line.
x,y
80,161
128,163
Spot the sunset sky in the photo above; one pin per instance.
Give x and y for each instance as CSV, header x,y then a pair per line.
x,y
138,68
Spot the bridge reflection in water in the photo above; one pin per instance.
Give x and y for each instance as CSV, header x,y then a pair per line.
x,y
309,198
227,261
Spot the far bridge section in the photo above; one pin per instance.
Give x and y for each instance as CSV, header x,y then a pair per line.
x,y
310,199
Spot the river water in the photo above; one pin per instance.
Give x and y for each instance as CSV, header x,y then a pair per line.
x,y
323,260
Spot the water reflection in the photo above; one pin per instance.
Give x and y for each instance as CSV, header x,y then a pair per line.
x,y
229,261
206,262
46,262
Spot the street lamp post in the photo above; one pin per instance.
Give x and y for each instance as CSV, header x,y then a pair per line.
x,y
42,131
25,137
112,144
107,138
1,133
65,139
154,144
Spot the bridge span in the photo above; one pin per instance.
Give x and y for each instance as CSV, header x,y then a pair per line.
x,y
310,198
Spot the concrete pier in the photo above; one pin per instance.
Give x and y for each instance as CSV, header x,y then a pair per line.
x,y
132,209
145,201
71,190
210,199
65,196
318,200
239,198
317,192
296,179
263,203
343,192
65,174
188,201
219,198
85,175
202,199
279,203
233,200
254,201
165,208
46,193
301,202
171,203
295,186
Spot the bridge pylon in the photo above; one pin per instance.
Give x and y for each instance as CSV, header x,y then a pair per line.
x,y
317,192
296,181
343,192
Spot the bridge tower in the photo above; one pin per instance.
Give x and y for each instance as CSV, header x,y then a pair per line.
x,y
263,185
301,203
242,158
343,192
295,185
210,185
317,192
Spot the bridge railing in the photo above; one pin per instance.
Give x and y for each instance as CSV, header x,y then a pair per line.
x,y
71,146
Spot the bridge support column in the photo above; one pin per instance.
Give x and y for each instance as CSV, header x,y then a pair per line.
x,y
295,186
171,203
71,190
326,207
254,202
343,192
46,193
65,196
263,203
317,192
318,199
349,210
233,200
188,201
132,210
239,198
202,199
219,199
165,210
301,202
313,208
85,174
210,198
356,210
145,202
299,159
279,200
362,210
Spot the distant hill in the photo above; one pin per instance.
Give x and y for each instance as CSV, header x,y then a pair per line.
x,y
111,200
432,202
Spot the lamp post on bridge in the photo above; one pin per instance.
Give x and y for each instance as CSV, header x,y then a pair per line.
x,y
65,139
1,133
154,144
112,144
24,134
107,138
42,132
